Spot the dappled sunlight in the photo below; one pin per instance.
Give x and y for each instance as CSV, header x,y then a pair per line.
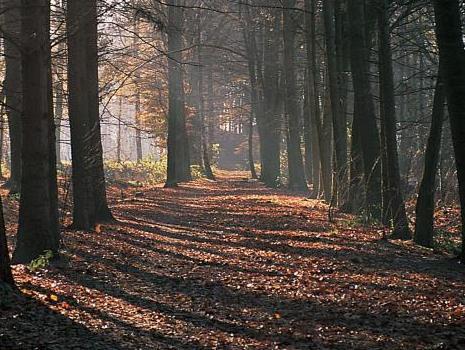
x,y
266,271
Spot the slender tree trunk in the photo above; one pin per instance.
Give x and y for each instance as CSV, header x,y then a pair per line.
x,y
308,144
326,149
139,153
38,209
253,172
313,96
452,55
5,269
340,141
2,130
388,119
297,180
6,275
13,89
424,226
118,135
201,102
59,101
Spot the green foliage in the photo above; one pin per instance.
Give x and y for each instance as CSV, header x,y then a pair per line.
x,y
215,153
15,196
146,172
41,262
197,172
136,174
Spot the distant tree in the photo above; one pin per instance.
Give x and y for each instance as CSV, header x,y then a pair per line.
x,y
38,210
297,180
452,56
204,144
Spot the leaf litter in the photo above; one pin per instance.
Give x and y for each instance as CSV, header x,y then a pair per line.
x,y
233,265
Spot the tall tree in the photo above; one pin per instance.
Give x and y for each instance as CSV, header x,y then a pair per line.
x,y
264,80
89,193
178,150
201,106
314,134
395,201
452,55
38,211
365,150
424,225
11,18
337,112
297,180
137,117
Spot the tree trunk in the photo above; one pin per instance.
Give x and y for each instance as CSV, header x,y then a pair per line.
x,y
118,135
5,268
13,89
395,200
313,97
424,226
178,158
339,134
201,108
452,55
265,98
38,211
297,179
102,211
89,193
326,148
59,101
308,144
2,130
365,134
137,120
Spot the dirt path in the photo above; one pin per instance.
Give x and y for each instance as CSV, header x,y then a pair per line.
x,y
232,265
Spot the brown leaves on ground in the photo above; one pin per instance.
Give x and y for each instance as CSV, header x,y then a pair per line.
x,y
232,265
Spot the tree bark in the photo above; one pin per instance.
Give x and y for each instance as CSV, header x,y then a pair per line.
x,y
201,108
265,97
89,192
340,140
178,152
38,210
5,269
365,134
424,226
395,201
297,180
452,55
13,89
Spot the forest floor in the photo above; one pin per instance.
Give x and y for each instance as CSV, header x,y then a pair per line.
x,y
233,265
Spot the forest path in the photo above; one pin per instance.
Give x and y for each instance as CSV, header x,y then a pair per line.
x,y
233,265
